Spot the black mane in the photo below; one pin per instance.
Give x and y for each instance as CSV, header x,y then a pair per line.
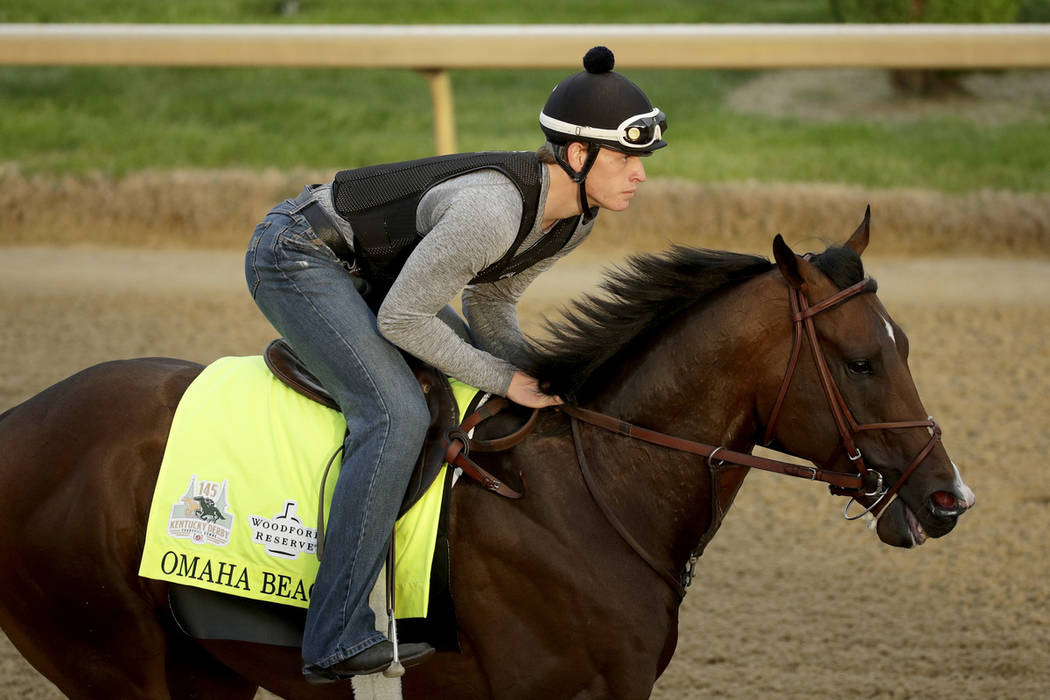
x,y
640,298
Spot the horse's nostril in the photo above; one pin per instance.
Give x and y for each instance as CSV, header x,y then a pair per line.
x,y
945,500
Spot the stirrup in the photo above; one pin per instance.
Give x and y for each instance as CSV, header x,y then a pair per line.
x,y
395,669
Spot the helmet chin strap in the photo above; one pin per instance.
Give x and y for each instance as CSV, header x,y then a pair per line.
x,y
580,177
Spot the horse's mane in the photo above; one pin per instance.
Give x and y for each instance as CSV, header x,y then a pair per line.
x,y
640,297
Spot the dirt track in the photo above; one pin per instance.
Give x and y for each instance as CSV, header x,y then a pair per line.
x,y
791,601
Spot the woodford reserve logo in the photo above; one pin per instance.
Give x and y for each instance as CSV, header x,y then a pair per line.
x,y
283,535
202,514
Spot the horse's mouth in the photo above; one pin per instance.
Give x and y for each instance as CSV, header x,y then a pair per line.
x,y
915,528
900,525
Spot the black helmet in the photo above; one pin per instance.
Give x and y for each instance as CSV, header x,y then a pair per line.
x,y
598,106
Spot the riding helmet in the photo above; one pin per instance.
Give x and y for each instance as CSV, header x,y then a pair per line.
x,y
600,106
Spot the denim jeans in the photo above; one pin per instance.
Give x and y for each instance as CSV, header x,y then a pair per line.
x,y
308,296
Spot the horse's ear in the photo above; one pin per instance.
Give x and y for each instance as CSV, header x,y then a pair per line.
x,y
788,262
859,240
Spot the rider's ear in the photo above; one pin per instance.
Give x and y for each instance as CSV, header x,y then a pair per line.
x,y
577,155
859,240
788,262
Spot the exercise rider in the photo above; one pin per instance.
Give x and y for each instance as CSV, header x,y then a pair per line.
x,y
355,272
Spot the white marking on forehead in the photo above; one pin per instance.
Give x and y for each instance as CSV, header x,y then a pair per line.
x,y
889,329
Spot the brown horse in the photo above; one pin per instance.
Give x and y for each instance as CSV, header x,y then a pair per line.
x,y
551,600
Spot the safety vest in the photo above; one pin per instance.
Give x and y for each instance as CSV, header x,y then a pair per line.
x,y
380,203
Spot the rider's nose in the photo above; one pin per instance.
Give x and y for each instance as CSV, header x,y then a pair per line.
x,y
639,175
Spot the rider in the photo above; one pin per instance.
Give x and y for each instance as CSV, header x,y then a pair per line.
x,y
354,272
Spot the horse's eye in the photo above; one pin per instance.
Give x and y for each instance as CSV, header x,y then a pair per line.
x,y
859,366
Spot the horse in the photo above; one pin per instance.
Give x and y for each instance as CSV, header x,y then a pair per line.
x,y
689,360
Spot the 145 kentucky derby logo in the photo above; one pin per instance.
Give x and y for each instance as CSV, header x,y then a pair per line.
x,y
284,534
202,515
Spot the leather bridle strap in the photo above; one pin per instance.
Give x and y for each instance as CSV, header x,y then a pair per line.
x,y
801,314
839,479
839,411
802,317
488,410
886,498
458,445
725,456
610,515
456,455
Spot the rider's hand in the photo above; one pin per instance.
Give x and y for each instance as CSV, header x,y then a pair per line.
x,y
524,390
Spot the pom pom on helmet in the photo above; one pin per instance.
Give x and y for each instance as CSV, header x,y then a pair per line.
x,y
599,60
598,106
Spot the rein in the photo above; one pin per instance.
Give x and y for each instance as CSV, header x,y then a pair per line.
x,y
725,456
867,482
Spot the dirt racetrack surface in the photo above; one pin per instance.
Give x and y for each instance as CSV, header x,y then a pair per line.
x,y
791,601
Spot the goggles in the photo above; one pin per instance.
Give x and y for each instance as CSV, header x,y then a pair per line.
x,y
637,132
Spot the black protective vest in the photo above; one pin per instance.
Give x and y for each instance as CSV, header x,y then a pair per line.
x,y
380,202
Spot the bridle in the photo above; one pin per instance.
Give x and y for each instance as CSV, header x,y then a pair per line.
x,y
865,483
802,318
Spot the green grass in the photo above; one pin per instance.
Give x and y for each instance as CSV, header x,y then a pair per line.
x,y
946,155
121,120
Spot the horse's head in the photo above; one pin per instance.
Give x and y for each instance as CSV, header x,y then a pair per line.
x,y
848,402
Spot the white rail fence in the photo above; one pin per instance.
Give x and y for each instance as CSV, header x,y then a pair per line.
x,y
434,50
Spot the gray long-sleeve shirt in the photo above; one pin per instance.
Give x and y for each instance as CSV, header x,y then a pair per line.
x,y
468,223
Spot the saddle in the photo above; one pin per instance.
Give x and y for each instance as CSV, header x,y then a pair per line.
x,y
207,614
444,413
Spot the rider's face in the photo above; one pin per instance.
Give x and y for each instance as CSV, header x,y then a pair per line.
x,y
614,179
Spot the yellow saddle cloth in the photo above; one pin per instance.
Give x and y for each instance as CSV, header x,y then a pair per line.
x,y
235,506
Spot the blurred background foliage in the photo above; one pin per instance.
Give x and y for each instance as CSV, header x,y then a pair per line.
x,y
958,11
524,11
416,11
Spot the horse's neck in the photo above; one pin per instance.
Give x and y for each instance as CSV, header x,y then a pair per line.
x,y
697,380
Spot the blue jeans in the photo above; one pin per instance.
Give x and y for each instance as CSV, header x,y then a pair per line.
x,y
308,296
